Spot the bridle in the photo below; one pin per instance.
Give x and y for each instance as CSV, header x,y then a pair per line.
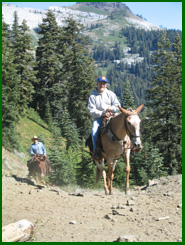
x,y
123,142
127,130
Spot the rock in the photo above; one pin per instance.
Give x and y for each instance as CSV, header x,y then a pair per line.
x,y
20,231
120,207
153,182
162,218
77,195
115,212
130,202
107,216
113,207
138,188
126,238
73,222
168,194
179,205
131,209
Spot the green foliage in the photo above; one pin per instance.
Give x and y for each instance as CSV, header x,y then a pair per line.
x,y
48,116
50,88
81,72
69,131
10,91
58,85
91,9
120,174
165,97
26,129
147,164
127,100
61,161
66,73
85,170
21,47
101,53
34,116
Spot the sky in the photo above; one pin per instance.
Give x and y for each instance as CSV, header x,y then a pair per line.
x,y
165,14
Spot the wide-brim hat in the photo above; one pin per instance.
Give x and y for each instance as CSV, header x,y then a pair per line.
x,y
34,138
102,79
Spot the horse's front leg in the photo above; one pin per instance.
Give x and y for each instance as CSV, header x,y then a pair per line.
x,y
111,167
127,162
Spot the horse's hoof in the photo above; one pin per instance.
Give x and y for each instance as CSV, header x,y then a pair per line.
x,y
106,192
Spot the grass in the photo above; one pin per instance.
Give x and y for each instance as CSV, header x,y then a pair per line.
x,y
108,34
27,129
92,10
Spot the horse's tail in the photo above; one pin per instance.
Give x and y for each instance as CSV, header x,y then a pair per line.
x,y
89,143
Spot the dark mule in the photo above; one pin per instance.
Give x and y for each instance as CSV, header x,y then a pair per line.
x,y
38,168
121,135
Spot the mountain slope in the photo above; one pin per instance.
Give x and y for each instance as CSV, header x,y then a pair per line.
x,y
85,13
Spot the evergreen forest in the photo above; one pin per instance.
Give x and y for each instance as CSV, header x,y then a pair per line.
x,y
51,83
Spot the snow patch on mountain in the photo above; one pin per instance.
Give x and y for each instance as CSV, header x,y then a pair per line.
x,y
34,17
143,24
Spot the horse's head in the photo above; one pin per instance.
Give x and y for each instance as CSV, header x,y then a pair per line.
x,y
132,125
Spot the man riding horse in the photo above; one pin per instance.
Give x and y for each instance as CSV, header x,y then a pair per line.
x,y
37,149
102,103
119,137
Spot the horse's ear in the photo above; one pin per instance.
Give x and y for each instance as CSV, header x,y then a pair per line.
x,y
123,110
139,108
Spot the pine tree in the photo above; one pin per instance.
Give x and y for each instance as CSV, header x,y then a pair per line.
x,y
81,71
25,62
176,87
51,86
127,100
60,159
10,92
69,131
48,116
147,164
85,170
163,121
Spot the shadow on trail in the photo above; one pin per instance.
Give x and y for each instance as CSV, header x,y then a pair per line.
x,y
23,180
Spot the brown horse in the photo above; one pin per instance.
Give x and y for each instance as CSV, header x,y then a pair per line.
x,y
121,135
38,168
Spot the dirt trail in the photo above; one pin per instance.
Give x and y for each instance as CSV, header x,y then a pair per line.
x,y
153,214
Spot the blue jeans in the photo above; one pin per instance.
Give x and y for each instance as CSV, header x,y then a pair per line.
x,y
95,130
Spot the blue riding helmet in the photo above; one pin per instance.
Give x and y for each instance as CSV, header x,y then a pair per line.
x,y
102,79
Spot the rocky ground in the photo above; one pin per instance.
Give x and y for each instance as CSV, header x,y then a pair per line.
x,y
149,214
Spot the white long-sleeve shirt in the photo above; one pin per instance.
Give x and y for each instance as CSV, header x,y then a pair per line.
x,y
99,102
